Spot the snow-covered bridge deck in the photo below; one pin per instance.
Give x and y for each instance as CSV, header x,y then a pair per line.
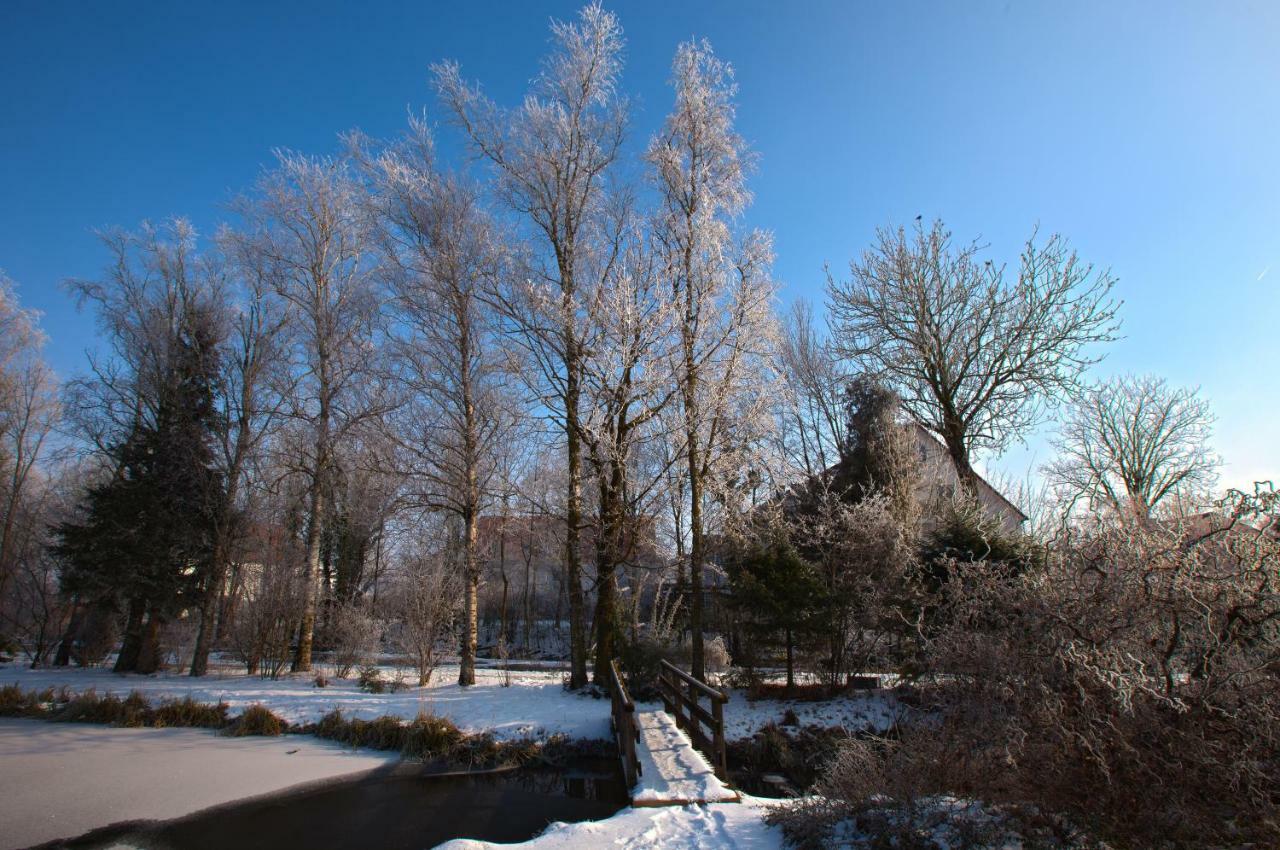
x,y
660,761
672,772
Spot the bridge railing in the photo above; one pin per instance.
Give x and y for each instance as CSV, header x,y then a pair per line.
x,y
681,696
625,731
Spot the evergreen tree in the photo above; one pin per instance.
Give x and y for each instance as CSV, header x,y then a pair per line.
x,y
777,593
146,535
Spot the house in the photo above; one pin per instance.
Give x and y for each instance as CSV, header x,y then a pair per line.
x,y
940,482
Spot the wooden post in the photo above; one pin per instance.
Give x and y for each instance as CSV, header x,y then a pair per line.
x,y
722,764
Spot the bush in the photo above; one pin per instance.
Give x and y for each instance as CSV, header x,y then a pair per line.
x,y
354,634
186,712
1128,687
429,736
257,719
15,702
371,681
109,709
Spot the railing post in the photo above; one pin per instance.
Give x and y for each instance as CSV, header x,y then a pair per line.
x,y
722,765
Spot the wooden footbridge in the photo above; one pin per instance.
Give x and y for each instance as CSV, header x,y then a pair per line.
x,y
674,756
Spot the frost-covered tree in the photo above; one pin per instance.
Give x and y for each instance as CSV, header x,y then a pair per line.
x,y
974,353
309,232
1133,442
552,156
628,384
444,255
720,284
28,413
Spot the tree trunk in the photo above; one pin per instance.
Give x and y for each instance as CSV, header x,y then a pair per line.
x,y
127,660
791,661
209,608
470,625
149,650
573,553
695,566
310,579
959,452
608,549
63,656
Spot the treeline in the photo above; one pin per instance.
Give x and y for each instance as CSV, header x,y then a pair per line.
x,y
382,365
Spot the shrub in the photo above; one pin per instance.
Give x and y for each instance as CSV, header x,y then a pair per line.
x,y
189,713
15,702
371,681
257,719
430,736
354,634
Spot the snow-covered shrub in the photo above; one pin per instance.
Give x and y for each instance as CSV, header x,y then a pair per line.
x,y
715,656
1127,687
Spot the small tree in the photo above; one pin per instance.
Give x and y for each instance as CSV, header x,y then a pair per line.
x,y
426,602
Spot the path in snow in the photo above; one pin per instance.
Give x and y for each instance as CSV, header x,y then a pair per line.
x,y
720,826
60,780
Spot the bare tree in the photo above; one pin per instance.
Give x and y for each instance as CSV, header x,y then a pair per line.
x,y
1134,441
255,385
309,231
721,286
628,383
812,411
552,156
974,356
28,413
444,254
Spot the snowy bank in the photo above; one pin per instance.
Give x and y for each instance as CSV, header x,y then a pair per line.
x,y
536,705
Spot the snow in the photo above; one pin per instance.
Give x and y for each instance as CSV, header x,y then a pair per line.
x,y
873,711
101,775
718,826
536,705
670,768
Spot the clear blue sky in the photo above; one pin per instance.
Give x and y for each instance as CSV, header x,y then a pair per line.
x,y
1145,132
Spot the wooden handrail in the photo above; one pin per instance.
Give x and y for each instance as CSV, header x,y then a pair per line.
x,y
697,684
680,696
626,732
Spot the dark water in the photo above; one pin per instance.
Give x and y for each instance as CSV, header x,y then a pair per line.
x,y
400,809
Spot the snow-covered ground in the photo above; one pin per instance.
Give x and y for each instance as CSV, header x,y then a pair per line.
x,y
875,711
60,780
720,826
536,704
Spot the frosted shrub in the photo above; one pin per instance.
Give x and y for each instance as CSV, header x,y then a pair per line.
x,y
354,633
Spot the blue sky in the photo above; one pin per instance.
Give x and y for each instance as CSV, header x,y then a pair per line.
x,y
1145,132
